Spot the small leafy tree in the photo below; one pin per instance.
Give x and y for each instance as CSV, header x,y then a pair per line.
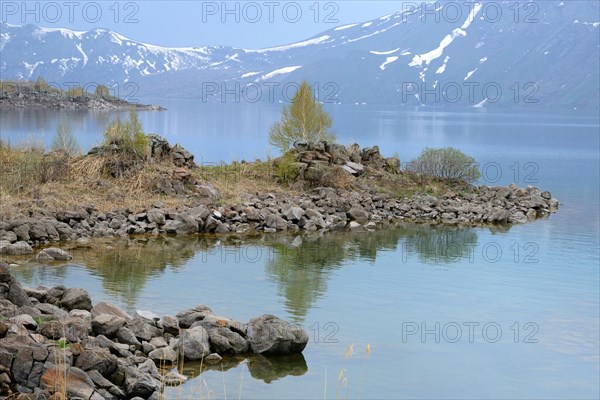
x,y
447,163
102,91
76,91
303,120
64,140
128,135
40,84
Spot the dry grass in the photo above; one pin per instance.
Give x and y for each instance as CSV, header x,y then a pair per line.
x,y
33,179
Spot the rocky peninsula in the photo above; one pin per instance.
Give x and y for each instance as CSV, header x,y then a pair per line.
x,y
331,188
32,96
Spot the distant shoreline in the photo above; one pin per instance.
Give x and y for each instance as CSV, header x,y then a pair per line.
x,y
30,95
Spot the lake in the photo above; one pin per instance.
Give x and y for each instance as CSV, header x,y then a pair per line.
x,y
446,312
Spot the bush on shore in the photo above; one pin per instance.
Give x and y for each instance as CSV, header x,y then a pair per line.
x,y
447,164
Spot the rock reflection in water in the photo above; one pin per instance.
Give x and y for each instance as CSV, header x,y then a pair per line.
x,y
301,266
267,369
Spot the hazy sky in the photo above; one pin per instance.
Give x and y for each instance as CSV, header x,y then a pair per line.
x,y
248,24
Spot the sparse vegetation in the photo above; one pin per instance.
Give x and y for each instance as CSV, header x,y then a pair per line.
x,y
286,169
102,91
127,136
64,141
447,163
76,91
304,120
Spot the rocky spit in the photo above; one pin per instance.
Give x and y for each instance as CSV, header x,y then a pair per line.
x,y
322,209
54,343
28,97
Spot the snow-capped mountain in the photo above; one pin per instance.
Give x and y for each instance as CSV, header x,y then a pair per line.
x,y
540,53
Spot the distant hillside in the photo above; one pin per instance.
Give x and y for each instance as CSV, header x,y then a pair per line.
x,y
542,54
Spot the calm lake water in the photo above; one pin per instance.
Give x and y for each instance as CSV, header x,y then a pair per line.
x,y
518,310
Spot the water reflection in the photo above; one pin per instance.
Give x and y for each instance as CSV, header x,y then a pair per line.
x,y
300,266
266,369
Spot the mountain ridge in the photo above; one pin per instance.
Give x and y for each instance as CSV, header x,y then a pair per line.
x,y
395,59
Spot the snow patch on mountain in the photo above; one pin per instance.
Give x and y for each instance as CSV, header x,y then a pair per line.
x,y
67,33
418,59
305,43
469,74
85,57
388,60
441,69
31,67
341,28
366,24
482,60
4,38
279,71
246,75
383,53
372,34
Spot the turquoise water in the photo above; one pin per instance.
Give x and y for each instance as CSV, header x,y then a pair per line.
x,y
538,282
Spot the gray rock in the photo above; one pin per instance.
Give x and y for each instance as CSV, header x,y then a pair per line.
x,y
52,310
53,254
126,335
212,358
163,354
24,319
170,324
193,343
357,213
293,213
138,383
182,224
142,330
223,340
76,298
156,216
98,359
158,342
271,335
187,317
16,249
147,316
77,383
107,325
81,314
104,307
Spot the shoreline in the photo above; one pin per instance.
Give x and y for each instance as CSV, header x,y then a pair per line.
x,y
32,96
321,209
56,342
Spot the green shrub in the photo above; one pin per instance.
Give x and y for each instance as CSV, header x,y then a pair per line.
x,y
446,163
64,140
304,120
76,91
286,168
102,91
127,135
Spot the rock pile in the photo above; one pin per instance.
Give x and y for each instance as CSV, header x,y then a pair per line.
x,y
318,209
55,339
353,159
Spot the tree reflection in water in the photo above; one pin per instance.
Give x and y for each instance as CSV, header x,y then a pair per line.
x,y
301,266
